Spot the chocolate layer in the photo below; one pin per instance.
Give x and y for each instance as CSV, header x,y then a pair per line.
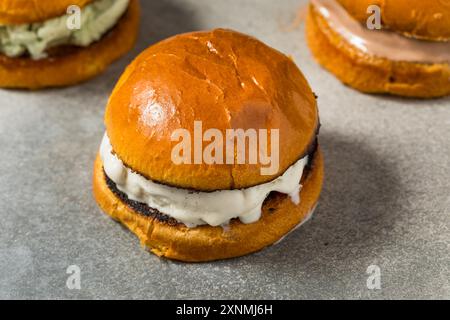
x,y
381,43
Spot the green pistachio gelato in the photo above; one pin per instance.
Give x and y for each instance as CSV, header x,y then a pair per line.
x,y
34,39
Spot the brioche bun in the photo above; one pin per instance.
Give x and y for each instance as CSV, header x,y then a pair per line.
x,y
372,74
417,18
30,11
75,65
223,78
205,243
227,80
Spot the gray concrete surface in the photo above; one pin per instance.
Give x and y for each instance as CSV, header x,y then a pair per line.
x,y
385,200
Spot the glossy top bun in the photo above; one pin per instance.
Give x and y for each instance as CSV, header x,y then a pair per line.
x,y
29,11
428,19
224,79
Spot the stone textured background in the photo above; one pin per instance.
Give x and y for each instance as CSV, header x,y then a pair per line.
x,y
386,198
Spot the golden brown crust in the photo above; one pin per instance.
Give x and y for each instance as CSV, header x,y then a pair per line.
x,y
373,74
76,66
29,11
422,19
207,243
224,79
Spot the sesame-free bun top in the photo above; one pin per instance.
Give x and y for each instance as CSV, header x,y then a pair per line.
x,y
30,11
223,78
428,19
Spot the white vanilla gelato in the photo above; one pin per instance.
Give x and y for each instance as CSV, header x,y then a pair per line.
x,y
195,208
97,18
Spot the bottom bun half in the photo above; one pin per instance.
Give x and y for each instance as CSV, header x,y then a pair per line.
x,y
373,74
73,65
205,243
